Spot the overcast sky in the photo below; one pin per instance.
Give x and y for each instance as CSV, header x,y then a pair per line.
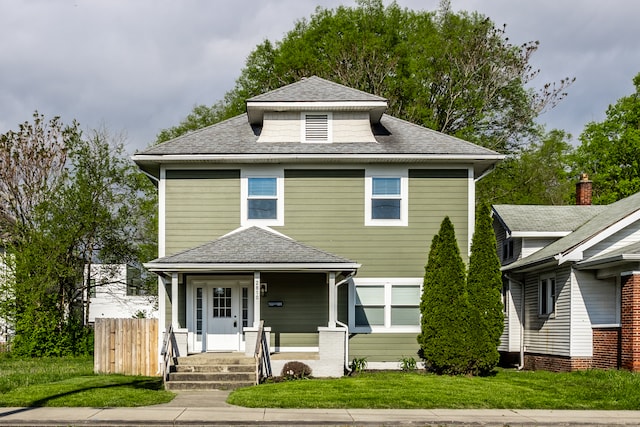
x,y
139,66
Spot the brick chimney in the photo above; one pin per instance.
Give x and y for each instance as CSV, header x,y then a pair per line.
x,y
584,190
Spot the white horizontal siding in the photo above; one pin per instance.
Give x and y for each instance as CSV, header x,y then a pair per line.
x,y
548,335
346,127
111,299
531,245
622,238
581,335
510,339
281,127
600,298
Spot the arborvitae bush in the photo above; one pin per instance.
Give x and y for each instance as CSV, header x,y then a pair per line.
x,y
484,286
446,339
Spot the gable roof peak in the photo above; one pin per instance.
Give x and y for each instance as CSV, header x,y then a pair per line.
x,y
315,89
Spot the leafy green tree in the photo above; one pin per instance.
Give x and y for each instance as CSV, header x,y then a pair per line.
x,y
200,117
453,72
32,161
445,339
89,213
484,287
536,174
610,150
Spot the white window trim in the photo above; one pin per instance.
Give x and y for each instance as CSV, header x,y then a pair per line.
x,y
544,281
245,174
388,283
401,173
303,127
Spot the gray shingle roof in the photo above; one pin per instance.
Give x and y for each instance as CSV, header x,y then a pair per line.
x,y
537,218
253,246
315,89
607,217
394,136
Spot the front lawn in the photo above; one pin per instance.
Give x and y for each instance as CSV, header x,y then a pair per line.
x,y
70,381
506,389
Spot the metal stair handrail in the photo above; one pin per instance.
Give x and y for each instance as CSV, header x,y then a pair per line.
x,y
168,353
263,359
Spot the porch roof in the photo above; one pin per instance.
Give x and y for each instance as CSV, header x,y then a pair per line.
x,y
626,254
252,249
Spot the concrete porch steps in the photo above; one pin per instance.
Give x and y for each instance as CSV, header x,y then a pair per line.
x,y
212,371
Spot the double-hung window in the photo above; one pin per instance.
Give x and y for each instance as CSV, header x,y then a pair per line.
x,y
546,295
262,199
386,305
386,198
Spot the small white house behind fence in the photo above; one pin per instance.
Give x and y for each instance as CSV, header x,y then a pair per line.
x,y
115,292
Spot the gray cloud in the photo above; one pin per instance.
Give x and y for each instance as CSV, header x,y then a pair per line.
x,y
140,66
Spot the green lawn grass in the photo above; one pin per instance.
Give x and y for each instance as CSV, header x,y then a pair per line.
x,y
70,381
506,389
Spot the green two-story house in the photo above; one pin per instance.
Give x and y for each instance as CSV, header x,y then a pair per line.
x,y
312,212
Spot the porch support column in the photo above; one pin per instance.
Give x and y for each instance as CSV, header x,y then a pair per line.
x,y
174,300
256,299
333,300
162,304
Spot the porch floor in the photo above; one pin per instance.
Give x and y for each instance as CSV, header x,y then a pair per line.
x,y
274,356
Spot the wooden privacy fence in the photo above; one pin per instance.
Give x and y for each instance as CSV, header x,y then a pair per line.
x,y
126,346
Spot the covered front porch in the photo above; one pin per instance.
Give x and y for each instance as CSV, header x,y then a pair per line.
x,y
216,295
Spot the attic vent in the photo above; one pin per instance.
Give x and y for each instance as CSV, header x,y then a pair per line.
x,y
316,128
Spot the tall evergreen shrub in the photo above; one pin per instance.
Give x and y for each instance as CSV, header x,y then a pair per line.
x,y
484,287
445,340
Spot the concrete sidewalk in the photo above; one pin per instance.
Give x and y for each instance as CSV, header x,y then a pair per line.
x,y
210,408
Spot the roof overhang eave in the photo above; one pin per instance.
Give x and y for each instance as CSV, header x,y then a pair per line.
x,y
607,262
540,233
160,268
151,162
256,109
528,267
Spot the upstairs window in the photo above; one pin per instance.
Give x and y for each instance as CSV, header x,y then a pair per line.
x,y
386,198
507,249
262,198
316,127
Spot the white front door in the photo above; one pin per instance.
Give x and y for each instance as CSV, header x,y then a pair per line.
x,y
219,309
223,323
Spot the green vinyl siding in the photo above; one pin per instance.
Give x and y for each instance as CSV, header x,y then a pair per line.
x,y
383,347
325,209
201,205
305,302
290,339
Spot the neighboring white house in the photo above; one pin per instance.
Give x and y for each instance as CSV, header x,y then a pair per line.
x,y
4,326
116,293
572,283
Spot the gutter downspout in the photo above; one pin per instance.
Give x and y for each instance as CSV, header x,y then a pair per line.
x,y
512,280
151,177
346,335
485,173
